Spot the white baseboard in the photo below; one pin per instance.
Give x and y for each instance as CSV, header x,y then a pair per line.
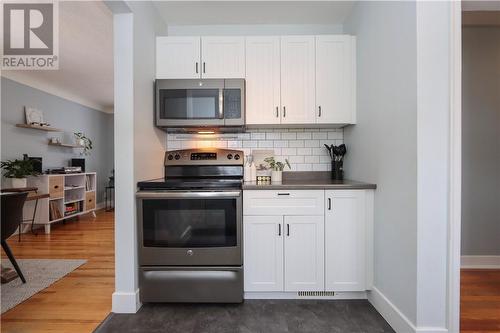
x,y
126,302
293,295
398,321
99,205
480,262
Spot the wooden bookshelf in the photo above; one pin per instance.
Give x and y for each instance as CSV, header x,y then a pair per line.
x,y
40,128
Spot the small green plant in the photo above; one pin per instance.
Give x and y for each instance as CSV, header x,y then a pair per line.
x,y
277,166
18,168
87,143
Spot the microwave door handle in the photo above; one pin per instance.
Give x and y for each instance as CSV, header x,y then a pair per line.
x,y
221,103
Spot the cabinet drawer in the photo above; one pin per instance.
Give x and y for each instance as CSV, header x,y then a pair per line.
x,y
56,186
270,202
89,200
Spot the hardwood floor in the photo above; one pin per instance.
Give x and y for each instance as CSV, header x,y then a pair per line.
x,y
82,299
480,301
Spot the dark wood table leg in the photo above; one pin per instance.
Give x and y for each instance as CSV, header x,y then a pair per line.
x,y
12,259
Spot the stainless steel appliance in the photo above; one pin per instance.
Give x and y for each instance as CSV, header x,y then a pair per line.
x,y
192,105
190,229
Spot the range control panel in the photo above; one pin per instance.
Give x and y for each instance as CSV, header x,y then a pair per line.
x,y
208,156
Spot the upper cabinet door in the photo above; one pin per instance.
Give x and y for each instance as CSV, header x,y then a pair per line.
x,y
297,80
178,58
335,79
345,230
263,80
304,253
223,57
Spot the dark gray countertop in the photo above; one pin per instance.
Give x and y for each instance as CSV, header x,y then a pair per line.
x,y
310,180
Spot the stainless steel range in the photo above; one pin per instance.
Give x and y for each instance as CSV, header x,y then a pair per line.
x,y
190,229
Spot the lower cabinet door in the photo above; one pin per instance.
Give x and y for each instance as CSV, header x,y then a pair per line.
x,y
304,253
346,237
263,253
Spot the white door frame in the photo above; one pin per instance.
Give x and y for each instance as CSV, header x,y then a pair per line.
x,y
455,160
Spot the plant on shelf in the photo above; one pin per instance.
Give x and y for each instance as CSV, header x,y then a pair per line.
x,y
83,141
17,171
277,168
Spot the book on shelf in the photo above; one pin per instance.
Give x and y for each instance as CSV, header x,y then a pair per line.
x,y
88,183
54,211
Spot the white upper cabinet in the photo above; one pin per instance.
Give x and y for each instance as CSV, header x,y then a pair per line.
x,y
263,80
304,249
297,80
335,79
223,57
178,58
345,231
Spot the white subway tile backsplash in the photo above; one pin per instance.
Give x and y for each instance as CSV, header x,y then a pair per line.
x,y
304,151
303,147
296,143
320,135
273,136
304,136
288,136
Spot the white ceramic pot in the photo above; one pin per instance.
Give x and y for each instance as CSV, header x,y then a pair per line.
x,y
18,182
276,176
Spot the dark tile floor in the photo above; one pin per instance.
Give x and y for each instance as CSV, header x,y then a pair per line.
x,y
253,316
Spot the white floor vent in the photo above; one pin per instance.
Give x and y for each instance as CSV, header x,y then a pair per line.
x,y
315,293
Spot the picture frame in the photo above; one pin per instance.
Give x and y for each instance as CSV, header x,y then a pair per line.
x,y
33,116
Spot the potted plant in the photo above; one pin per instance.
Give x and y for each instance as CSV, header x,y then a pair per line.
x,y
277,168
17,171
84,142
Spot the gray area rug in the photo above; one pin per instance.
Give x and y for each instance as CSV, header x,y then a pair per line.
x,y
39,274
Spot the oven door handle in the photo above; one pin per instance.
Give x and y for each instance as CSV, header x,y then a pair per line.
x,y
187,195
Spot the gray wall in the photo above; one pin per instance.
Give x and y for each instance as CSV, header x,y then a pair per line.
x,y
60,113
481,141
382,145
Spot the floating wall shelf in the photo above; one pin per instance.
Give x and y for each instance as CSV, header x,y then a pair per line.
x,y
41,128
67,145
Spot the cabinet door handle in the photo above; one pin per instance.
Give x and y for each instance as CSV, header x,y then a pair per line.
x,y
284,111
319,111
197,67
277,112
329,204
204,67
279,229
287,229
283,193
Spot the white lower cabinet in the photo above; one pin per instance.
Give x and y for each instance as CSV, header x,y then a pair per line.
x,y
326,245
304,253
346,239
263,253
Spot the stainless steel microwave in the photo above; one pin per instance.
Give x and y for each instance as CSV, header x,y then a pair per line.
x,y
200,103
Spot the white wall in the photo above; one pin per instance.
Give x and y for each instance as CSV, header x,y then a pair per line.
x,y
140,145
401,143
254,29
481,141
383,144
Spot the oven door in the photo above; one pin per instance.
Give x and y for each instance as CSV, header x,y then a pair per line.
x,y
189,228
189,103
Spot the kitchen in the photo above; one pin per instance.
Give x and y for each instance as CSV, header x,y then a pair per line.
x,y
293,99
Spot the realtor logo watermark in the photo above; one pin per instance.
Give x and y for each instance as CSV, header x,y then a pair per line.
x,y
30,35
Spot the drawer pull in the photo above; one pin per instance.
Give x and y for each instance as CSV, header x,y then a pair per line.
x,y
279,229
283,193
90,200
56,186
329,203
287,229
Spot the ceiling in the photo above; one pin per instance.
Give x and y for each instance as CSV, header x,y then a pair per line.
x,y
85,72
253,12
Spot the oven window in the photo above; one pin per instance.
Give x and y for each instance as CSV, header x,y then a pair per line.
x,y
189,223
189,103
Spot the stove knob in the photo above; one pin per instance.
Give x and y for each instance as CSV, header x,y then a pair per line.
x,y
229,156
170,157
189,252
177,156
236,157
